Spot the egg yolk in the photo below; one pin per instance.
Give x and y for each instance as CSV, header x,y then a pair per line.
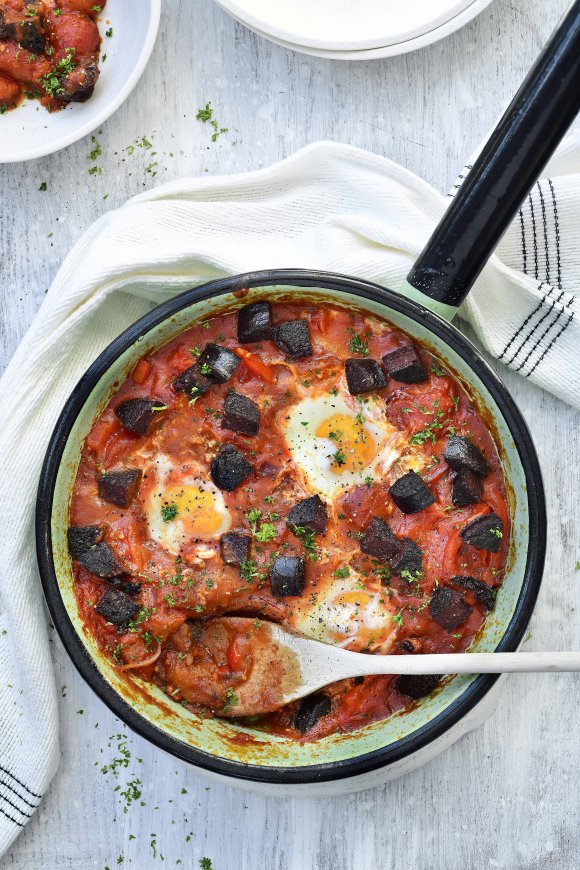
x,y
195,509
355,447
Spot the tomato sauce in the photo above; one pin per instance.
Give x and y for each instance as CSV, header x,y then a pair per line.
x,y
167,541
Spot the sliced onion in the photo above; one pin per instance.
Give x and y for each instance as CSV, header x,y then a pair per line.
x,y
143,664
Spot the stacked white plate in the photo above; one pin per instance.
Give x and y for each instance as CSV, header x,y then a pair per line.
x,y
354,29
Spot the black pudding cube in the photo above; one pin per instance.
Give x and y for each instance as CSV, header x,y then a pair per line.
x,y
310,514
364,376
379,541
409,560
117,607
235,548
255,322
287,576
101,561
416,685
448,608
82,538
411,494
31,38
129,587
241,414
218,363
466,488
293,339
481,591
461,454
120,487
229,468
310,710
140,415
192,382
484,533
405,365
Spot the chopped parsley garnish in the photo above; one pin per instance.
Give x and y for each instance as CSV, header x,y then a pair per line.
x,y
144,614
266,531
358,344
109,32
428,432
398,618
205,864
231,700
339,457
307,538
384,574
205,369
169,512
341,573
437,370
249,569
43,187
369,481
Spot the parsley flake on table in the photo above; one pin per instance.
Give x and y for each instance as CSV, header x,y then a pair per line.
x,y
205,115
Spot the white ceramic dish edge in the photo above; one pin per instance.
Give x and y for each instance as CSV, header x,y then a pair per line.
x,y
393,50
334,25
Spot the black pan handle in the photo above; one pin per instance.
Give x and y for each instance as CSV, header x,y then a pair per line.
x,y
505,171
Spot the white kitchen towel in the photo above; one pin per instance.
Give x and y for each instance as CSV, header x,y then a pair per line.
x,y
327,207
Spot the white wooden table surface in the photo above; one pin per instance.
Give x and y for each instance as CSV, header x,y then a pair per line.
x,y
506,796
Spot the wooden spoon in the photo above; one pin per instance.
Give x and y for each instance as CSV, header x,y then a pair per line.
x,y
288,666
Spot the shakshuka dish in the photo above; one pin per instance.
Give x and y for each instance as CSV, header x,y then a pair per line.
x,y
293,462
49,49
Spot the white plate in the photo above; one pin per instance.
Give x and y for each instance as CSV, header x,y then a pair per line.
x,y
432,36
30,131
345,25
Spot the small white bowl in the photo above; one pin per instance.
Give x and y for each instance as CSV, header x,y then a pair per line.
x,y
30,131
343,26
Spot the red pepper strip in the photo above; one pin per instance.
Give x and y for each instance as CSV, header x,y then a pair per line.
x,y
254,364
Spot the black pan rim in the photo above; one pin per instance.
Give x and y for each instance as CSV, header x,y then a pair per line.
x,y
331,771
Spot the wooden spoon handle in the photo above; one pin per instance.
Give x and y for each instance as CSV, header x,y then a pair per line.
x,y
471,663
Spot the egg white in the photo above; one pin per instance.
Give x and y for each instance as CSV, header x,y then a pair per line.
x,y
347,613
314,455
169,479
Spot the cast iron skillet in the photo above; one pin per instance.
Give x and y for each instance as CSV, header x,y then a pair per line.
x,y
526,136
